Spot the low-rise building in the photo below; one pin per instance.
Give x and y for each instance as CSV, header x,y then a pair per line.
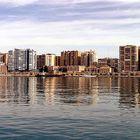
x,y
105,70
92,69
76,68
53,68
102,62
111,62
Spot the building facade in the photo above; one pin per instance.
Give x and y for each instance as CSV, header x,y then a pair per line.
x,y
111,62
22,60
46,60
138,58
41,61
57,60
11,65
105,70
50,60
75,69
102,62
70,58
128,58
31,60
4,58
114,64
88,58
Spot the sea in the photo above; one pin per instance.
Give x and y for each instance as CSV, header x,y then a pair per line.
x,y
69,108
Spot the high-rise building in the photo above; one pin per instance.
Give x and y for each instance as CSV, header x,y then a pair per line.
x,y
50,60
128,58
46,60
11,65
22,60
70,58
88,58
4,58
31,60
57,61
16,60
139,59
41,61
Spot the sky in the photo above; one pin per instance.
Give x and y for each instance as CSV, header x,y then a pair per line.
x,y
52,26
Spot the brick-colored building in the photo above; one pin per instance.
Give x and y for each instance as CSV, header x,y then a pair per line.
x,y
128,58
4,58
46,60
3,68
70,58
57,60
102,62
139,59
40,61
111,62
76,68
105,70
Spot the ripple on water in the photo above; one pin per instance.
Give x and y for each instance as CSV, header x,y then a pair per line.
x,y
69,108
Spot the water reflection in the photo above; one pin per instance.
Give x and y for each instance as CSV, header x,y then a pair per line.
x,y
69,108
129,92
70,90
48,90
16,89
77,90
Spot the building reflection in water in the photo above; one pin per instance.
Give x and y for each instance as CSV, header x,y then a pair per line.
x,y
3,89
108,87
70,90
32,93
65,90
130,92
14,89
50,90
17,89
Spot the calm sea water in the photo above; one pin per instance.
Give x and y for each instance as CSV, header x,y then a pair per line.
x,y
69,108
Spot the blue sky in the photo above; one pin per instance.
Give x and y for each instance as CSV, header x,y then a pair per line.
x,y
51,26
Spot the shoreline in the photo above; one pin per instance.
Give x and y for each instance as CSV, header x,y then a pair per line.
x,y
67,75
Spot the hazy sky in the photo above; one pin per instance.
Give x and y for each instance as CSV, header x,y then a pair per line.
x,y
55,25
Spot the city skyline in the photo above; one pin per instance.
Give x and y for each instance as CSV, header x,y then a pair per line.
x,y
54,26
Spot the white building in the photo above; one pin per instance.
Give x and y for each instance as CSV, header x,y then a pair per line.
x,y
22,60
50,60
